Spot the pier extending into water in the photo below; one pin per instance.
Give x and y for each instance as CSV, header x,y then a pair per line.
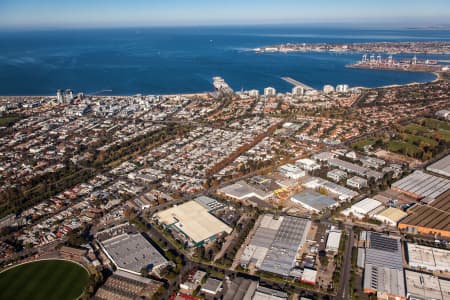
x,y
297,83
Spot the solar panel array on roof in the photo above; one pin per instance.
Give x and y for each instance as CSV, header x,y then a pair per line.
x,y
381,242
384,251
276,243
384,265
282,252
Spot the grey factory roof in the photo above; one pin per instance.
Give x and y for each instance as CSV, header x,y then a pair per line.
x,y
314,200
291,235
351,167
337,173
383,259
209,203
132,252
240,288
343,192
441,167
383,269
241,190
276,243
361,257
357,180
384,251
264,237
323,156
384,280
263,293
420,184
354,168
211,285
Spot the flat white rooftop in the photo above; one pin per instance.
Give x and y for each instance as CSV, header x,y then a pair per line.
x,y
425,286
428,257
366,206
194,220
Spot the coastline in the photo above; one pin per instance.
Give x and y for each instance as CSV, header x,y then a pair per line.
x,y
438,77
436,47
199,94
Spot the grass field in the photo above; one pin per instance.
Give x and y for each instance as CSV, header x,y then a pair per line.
x,y
402,147
421,139
362,143
7,121
43,280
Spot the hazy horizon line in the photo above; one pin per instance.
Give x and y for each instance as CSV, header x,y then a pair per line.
x,y
325,24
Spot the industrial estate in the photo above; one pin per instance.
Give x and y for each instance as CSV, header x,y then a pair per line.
x,y
340,193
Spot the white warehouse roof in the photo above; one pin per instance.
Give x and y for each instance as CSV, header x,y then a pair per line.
x,y
367,205
363,207
333,241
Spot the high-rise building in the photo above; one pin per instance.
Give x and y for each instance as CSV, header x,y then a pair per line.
x,y
342,88
69,95
64,96
327,89
253,93
60,96
270,91
298,91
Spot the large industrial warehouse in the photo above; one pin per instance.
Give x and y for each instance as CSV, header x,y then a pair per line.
x,y
242,190
131,252
441,167
422,185
363,208
426,286
433,219
383,267
194,221
314,201
276,242
432,259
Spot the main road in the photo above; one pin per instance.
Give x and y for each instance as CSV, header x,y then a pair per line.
x,y
344,282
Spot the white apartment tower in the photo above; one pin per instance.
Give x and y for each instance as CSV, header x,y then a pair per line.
x,y
270,91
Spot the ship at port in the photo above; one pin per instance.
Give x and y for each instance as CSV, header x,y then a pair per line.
x,y
382,63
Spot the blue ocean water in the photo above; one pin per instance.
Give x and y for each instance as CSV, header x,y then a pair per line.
x,y
183,60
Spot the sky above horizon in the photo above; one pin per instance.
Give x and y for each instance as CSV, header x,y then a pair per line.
x,y
118,13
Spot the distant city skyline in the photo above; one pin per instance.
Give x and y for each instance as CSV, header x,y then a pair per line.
x,y
116,13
